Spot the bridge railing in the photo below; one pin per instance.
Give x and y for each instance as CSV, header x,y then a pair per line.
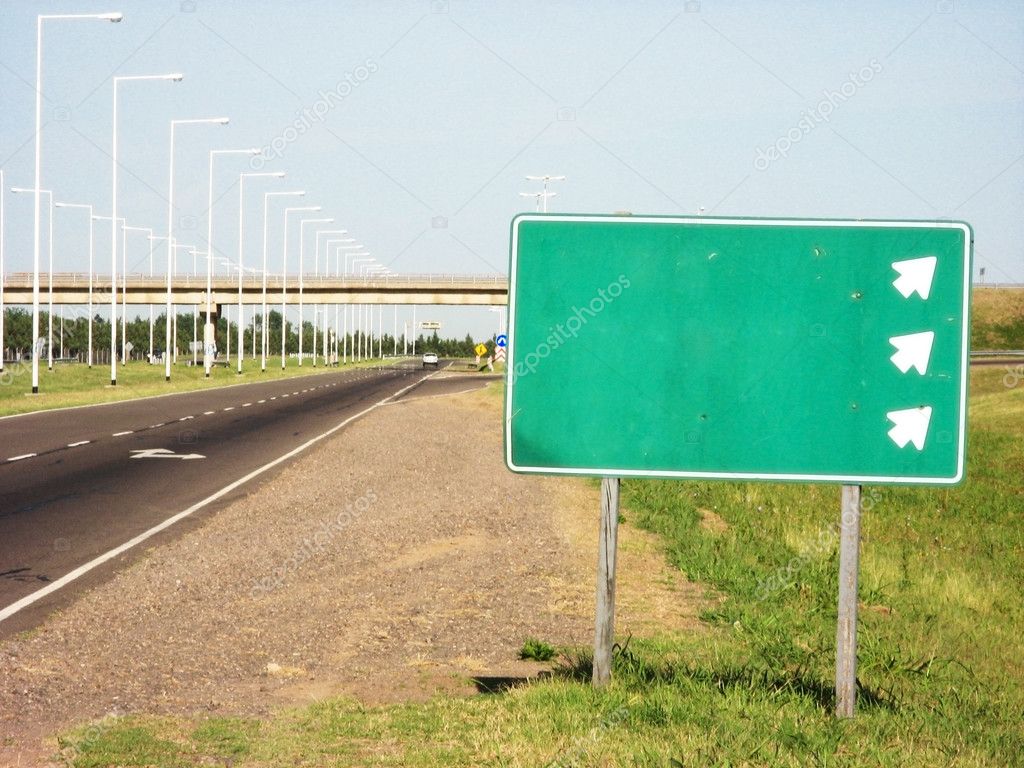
x,y
188,280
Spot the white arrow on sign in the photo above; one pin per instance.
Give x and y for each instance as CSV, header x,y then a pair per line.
x,y
164,453
911,426
915,275
913,351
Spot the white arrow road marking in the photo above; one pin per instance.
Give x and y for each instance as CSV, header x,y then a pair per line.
x,y
163,453
911,426
915,275
913,351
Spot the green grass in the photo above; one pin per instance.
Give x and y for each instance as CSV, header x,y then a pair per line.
x,y
537,650
941,654
70,384
997,318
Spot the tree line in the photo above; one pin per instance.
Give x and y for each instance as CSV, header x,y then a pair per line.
x,y
17,341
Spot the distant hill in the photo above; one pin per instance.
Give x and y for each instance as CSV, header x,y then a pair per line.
x,y
997,318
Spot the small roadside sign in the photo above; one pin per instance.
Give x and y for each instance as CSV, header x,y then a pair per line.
x,y
480,350
502,340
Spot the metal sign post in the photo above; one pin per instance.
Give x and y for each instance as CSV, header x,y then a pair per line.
x,y
846,629
604,625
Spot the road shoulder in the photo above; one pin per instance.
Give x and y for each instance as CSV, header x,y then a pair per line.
x,y
396,561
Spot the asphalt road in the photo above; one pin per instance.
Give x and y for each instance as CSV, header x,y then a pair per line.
x,y
77,483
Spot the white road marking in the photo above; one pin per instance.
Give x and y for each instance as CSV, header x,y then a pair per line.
x,y
156,426
23,456
63,581
163,453
80,442
246,405
208,413
284,395
122,434
230,408
261,401
186,418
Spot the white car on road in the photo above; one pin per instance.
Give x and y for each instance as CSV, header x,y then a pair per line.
x,y
429,358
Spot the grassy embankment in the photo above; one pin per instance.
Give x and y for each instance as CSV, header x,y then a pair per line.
x,y
941,648
70,384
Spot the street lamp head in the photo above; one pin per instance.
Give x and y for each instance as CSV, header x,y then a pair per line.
x,y
177,77
221,120
114,17
255,151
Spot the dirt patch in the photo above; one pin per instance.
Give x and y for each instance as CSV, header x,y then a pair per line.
x,y
712,522
393,562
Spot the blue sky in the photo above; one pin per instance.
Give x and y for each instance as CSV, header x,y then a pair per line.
x,y
868,109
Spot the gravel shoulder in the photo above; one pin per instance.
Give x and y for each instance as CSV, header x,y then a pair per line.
x,y
396,561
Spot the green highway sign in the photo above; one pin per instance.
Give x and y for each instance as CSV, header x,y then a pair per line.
x,y
763,349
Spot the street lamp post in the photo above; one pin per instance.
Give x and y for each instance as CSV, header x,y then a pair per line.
x,y
241,269
327,270
538,196
345,311
317,272
378,270
207,357
302,234
113,17
284,278
546,178
88,208
266,217
175,77
150,239
339,244
170,228
35,292
351,309
357,318
113,287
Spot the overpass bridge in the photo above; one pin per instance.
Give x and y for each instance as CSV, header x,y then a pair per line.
x,y
187,289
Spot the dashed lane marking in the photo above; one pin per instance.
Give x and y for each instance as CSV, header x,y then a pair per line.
x,y
23,456
80,442
122,434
